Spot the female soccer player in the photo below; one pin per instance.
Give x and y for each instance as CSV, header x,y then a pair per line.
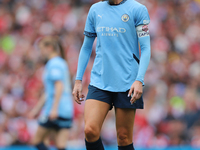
x,y
118,71
57,112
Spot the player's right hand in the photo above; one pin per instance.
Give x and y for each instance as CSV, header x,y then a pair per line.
x,y
77,92
32,114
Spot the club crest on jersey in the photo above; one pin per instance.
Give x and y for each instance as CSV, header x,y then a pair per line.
x,y
125,18
145,28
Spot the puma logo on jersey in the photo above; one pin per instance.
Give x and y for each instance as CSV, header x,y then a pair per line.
x,y
100,16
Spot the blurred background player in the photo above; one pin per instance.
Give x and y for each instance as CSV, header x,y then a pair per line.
x,y
57,112
118,72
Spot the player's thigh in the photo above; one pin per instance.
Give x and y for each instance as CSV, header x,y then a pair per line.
x,y
40,135
124,124
61,138
50,137
94,114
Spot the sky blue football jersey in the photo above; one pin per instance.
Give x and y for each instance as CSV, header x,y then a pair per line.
x,y
56,69
117,51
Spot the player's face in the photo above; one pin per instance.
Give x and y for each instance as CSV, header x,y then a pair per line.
x,y
44,50
111,1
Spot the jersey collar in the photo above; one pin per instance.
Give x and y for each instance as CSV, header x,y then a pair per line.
x,y
117,4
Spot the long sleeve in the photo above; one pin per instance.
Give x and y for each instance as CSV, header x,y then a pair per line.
x,y
145,57
142,21
84,56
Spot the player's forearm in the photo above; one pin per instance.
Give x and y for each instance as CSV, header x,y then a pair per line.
x,y
145,57
39,104
58,94
84,56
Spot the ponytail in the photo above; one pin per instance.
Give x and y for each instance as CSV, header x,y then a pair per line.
x,y
62,52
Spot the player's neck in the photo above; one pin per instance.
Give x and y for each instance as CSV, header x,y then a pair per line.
x,y
115,2
52,55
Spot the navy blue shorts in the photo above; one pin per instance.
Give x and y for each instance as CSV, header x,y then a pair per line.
x,y
116,99
59,123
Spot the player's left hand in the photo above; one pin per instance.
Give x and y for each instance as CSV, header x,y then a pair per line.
x,y
53,114
135,91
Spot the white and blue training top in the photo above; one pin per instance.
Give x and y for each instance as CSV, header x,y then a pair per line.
x,y
118,29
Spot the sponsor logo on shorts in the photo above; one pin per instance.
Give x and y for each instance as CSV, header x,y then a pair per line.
x,y
125,18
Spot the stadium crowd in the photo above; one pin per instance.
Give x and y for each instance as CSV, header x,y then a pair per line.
x,y
172,83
